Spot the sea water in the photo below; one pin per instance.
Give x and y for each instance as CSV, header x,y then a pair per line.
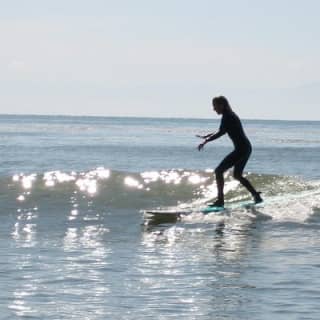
x,y
75,242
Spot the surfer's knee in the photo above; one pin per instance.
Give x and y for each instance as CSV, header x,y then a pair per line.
x,y
237,175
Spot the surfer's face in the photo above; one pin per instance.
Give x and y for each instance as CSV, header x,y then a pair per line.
x,y
218,108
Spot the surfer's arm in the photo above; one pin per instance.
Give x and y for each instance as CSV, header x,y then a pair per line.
x,y
206,136
215,136
222,130
211,137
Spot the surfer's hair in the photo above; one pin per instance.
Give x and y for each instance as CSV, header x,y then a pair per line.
x,y
222,101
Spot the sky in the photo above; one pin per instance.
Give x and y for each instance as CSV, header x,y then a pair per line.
x,y
163,58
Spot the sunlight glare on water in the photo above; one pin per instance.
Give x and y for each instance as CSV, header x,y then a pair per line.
x,y
75,244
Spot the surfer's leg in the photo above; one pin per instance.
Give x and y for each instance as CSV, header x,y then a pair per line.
x,y
238,171
225,164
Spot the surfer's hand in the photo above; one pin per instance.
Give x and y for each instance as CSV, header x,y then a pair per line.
x,y
201,137
201,145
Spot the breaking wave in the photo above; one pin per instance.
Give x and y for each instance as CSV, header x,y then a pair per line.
x,y
105,190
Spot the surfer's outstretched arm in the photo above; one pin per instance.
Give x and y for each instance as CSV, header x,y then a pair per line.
x,y
215,135
211,137
205,136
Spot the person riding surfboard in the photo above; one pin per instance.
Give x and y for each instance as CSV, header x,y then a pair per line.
x,y
238,158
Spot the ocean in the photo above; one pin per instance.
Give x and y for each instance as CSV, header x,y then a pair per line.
x,y
75,242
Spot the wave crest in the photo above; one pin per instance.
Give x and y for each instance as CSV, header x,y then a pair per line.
x,y
121,189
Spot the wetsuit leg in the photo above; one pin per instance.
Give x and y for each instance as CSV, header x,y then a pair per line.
x,y
238,170
229,161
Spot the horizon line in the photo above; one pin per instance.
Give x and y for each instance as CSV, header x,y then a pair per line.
x,y
143,117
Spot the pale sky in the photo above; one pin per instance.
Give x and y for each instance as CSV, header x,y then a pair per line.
x,y
163,58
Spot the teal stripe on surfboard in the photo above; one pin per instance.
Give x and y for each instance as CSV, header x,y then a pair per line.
x,y
242,204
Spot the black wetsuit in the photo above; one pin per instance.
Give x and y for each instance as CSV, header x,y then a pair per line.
x,y
231,124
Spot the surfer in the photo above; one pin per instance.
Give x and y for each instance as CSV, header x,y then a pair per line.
x,y
230,124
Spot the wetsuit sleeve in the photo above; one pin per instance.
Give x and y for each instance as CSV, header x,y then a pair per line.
x,y
221,132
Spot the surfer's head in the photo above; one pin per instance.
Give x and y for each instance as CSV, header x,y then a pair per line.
x,y
221,105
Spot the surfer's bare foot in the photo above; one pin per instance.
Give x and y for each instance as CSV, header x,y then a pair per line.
x,y
257,198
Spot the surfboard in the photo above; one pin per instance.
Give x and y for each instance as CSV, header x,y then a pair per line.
x,y
168,212
205,210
